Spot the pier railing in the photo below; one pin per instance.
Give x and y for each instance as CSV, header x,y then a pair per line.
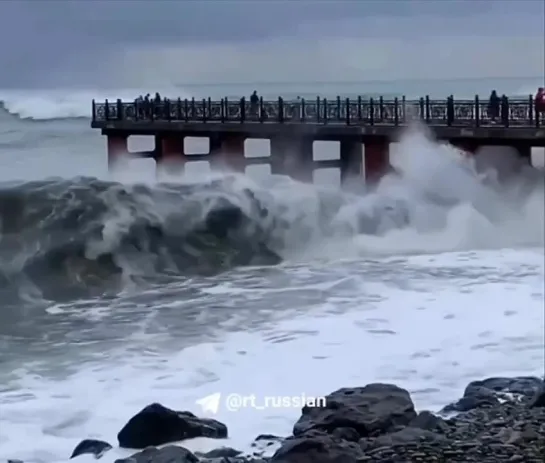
x,y
360,111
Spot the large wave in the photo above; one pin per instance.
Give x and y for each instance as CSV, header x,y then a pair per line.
x,y
62,239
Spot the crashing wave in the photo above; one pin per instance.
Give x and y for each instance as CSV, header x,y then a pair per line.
x,y
63,239
70,238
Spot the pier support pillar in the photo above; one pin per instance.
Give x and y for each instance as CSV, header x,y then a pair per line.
x,y
169,153
292,156
117,150
232,151
377,159
351,159
215,150
525,153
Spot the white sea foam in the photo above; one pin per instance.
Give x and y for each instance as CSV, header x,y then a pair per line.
x,y
428,332
71,103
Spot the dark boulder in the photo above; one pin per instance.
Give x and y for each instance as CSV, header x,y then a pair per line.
x,y
92,446
239,459
349,434
222,452
317,448
488,393
406,436
477,398
168,454
520,385
265,444
430,422
156,425
371,410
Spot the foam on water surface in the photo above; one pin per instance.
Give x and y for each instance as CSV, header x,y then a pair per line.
x,y
444,321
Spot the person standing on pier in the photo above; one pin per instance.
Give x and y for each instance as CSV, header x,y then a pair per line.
x,y
540,100
494,106
254,104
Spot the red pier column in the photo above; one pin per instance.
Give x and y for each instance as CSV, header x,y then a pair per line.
x,y
351,159
377,159
117,150
169,153
232,152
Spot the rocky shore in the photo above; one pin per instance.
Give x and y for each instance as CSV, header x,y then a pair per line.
x,y
496,420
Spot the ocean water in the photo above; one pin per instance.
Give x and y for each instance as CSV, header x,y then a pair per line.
x,y
115,292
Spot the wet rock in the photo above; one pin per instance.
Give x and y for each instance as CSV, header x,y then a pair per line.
x,y
349,434
320,448
408,435
430,422
521,385
239,459
490,392
92,446
265,444
371,410
477,397
155,425
268,437
539,397
168,454
222,452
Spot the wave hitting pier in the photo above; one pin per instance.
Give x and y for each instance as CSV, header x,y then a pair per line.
x,y
363,127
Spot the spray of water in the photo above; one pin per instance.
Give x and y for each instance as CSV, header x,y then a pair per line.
x,y
439,199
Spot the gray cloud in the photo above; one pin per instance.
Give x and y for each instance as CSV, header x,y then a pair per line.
x,y
54,42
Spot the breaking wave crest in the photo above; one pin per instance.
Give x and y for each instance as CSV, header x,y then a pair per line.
x,y
44,105
63,239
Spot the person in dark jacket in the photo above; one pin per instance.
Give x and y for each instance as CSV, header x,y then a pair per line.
x,y
254,103
494,106
540,100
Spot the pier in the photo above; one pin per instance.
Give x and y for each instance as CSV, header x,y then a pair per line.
x,y
364,128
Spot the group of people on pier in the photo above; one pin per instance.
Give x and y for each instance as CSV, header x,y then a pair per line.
x,y
156,107
149,107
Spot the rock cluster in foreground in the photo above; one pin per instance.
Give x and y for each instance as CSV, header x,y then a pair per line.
x,y
496,420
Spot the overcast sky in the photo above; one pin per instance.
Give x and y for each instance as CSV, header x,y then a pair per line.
x,y
138,42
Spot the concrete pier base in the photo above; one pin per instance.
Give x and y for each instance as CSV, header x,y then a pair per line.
x,y
117,150
525,153
169,154
280,148
377,159
351,160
